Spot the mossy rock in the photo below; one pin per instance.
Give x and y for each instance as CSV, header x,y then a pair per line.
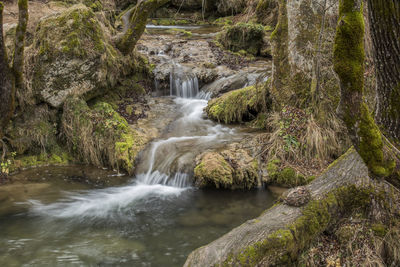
x,y
242,36
99,135
230,169
238,105
72,54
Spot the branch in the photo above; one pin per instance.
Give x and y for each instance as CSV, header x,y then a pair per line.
x,y
135,23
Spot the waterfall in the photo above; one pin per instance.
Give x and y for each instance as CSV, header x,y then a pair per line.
x,y
183,83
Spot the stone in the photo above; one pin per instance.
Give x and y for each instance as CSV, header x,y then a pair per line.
x,y
297,197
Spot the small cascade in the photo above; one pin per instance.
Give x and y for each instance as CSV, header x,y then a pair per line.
x,y
183,83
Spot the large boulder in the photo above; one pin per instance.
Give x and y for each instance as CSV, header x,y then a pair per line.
x,y
72,54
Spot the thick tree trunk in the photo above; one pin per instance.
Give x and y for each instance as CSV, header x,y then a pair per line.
x,y
7,88
135,24
384,18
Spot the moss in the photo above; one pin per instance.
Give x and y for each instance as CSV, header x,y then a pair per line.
x,y
57,158
349,65
371,145
221,170
379,229
286,177
279,39
214,170
238,105
242,36
283,246
99,135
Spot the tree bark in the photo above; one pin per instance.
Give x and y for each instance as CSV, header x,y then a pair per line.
x,y
384,18
135,24
7,86
18,59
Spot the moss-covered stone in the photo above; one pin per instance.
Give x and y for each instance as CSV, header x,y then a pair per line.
x,y
231,168
243,36
99,135
238,105
73,54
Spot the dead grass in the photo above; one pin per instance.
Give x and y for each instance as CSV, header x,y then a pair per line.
x,y
297,139
362,247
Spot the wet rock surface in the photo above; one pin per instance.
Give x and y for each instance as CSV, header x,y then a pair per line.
x,y
199,55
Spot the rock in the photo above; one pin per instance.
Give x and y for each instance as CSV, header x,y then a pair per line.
x,y
232,168
238,105
72,54
243,36
297,197
233,82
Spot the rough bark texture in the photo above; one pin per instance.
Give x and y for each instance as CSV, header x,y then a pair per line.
x,y
280,66
18,59
7,88
136,24
384,18
279,234
302,54
349,65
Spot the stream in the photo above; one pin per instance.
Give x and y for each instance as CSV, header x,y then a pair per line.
x,y
156,218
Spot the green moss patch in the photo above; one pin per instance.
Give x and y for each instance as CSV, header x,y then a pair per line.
x,y
224,170
99,135
243,36
238,105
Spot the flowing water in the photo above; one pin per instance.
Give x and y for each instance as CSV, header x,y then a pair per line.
x,y
155,219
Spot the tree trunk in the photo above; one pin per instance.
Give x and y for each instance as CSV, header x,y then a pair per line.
x,y
349,65
384,18
18,59
7,87
135,24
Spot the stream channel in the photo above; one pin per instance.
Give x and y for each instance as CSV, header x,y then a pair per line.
x,y
155,219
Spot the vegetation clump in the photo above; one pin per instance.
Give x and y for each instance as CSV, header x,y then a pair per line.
x,y
228,169
239,105
286,177
243,36
99,135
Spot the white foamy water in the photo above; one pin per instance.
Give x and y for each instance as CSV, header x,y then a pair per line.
x,y
168,164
